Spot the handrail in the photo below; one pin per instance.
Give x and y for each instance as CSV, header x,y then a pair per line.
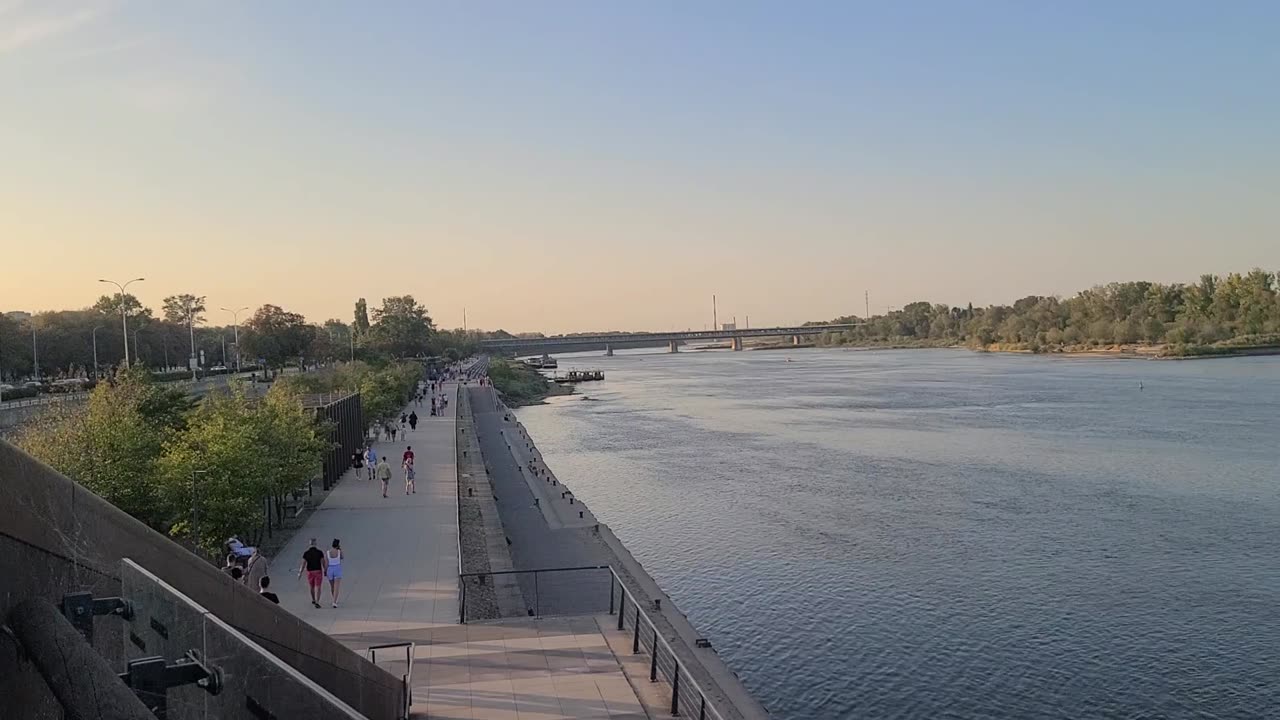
x,y
706,709
406,680
535,570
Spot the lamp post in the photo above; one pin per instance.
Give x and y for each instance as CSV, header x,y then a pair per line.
x,y
124,317
95,351
235,326
35,353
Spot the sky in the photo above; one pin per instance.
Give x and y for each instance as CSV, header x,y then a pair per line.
x,y
567,166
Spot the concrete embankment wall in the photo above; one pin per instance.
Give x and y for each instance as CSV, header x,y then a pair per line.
x,y
537,545
57,537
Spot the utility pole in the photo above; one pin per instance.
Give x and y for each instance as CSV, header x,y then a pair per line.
x,y
866,295
748,322
464,321
35,353
715,321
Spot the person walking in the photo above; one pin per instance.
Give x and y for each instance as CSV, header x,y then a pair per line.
x,y
404,420
313,564
334,557
408,455
433,406
409,486
384,473
413,421
357,460
391,431
371,460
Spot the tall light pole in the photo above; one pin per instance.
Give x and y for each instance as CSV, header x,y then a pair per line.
x,y
95,351
235,326
124,317
35,353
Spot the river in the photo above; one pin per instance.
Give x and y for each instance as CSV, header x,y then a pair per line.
x,y
939,533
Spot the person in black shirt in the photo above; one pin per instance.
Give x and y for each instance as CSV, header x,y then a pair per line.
x,y
263,584
313,563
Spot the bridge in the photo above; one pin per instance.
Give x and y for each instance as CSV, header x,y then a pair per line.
x,y
608,341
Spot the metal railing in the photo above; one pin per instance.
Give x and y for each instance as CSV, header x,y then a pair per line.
x,y
406,679
553,592
549,592
663,661
44,400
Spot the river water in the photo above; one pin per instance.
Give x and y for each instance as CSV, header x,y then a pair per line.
x,y
936,533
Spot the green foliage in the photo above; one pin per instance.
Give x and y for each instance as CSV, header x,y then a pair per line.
x,y
401,328
277,336
237,452
109,305
111,446
518,384
384,389
1233,311
184,309
361,323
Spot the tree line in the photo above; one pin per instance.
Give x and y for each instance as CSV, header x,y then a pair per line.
x,y
64,343
1214,314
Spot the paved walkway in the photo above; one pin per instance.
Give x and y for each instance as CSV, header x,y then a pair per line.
x,y
400,583
400,554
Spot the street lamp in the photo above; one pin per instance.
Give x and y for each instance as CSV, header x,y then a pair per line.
x,y
35,353
235,326
95,351
124,317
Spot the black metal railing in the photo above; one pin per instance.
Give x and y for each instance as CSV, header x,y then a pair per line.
x,y
687,696
406,678
549,592
587,590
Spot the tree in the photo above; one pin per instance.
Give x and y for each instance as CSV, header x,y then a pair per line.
x,y
340,336
277,336
184,309
361,325
110,305
401,327
112,445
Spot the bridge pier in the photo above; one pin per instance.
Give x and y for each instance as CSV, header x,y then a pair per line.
x,y
795,339
736,344
673,346
608,350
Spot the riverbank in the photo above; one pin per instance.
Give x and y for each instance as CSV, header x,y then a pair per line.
x,y
545,525
1120,351
518,384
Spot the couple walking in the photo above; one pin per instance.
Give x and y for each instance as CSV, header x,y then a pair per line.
x,y
319,565
383,472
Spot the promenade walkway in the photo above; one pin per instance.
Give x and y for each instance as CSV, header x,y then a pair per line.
x,y
400,583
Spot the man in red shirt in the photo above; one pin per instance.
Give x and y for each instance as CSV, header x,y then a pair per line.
x,y
408,456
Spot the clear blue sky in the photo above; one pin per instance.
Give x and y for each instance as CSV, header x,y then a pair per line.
x,y
610,165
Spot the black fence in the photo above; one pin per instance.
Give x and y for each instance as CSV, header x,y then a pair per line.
x,y
551,592
345,420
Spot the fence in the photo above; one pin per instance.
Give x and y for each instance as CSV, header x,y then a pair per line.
x,y
663,661
344,415
547,592
406,677
587,590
